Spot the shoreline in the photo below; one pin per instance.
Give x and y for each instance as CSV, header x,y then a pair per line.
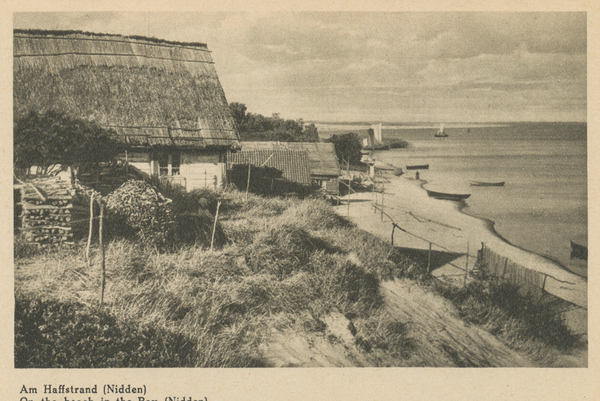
x,y
446,226
491,226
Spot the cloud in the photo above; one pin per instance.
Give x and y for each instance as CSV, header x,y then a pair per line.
x,y
364,65
520,67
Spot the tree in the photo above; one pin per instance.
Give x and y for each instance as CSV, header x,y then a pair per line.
x,y
256,127
51,138
347,146
310,133
238,111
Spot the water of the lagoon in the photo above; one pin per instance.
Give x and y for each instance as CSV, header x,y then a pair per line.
x,y
543,205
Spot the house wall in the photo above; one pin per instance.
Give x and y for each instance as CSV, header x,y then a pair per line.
x,y
330,184
139,160
203,170
197,169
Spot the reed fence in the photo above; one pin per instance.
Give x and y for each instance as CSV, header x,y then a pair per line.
x,y
498,266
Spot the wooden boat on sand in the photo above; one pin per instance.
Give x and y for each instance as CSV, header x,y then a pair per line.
x,y
579,251
446,195
418,167
487,184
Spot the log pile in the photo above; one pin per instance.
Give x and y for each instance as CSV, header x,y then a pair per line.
x,y
138,208
47,211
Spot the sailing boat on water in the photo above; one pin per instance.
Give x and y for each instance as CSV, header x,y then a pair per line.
x,y
441,132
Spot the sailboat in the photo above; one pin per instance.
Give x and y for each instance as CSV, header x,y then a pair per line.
x,y
441,133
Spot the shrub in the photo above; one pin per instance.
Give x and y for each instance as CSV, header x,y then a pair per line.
x,y
188,202
53,334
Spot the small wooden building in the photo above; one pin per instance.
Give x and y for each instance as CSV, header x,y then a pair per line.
x,y
322,163
163,98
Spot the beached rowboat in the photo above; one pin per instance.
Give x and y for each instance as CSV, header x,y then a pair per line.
x,y
447,196
579,251
418,167
487,184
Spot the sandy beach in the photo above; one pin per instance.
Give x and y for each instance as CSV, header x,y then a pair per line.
x,y
423,220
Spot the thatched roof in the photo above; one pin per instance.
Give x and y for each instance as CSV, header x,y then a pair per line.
x,y
322,158
152,92
292,163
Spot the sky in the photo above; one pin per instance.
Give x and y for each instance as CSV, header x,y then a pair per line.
x,y
377,66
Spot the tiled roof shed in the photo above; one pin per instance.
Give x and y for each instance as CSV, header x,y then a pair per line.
x,y
292,163
321,156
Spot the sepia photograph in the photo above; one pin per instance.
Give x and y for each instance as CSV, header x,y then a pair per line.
x,y
296,189
313,189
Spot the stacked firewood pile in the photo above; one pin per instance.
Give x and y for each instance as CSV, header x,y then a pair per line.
x,y
47,211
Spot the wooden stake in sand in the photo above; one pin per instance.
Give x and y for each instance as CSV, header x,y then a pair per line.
x,y
429,260
212,240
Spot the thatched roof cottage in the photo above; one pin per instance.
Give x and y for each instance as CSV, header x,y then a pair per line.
x,y
163,98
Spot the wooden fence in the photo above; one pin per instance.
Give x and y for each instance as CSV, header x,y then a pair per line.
x,y
495,265
563,284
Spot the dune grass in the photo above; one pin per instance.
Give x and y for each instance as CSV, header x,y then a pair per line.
x,y
286,265
520,320
278,269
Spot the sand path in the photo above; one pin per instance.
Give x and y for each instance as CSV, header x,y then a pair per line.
x,y
439,221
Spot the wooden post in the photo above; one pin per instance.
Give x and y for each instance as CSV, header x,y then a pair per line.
x,y
382,192
467,265
349,184
89,241
544,283
393,229
248,183
97,185
374,197
72,174
212,240
429,260
101,243
481,261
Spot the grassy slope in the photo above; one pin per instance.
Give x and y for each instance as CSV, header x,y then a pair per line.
x,y
296,285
